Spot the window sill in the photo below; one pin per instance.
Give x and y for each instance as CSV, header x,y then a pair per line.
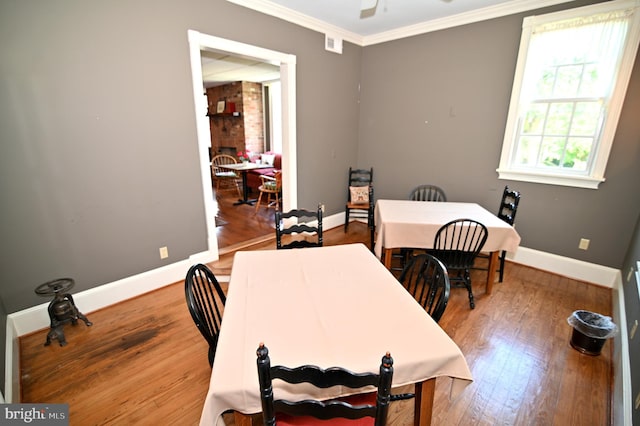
x,y
551,179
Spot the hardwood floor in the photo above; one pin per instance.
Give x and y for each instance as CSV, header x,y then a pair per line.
x,y
143,362
237,226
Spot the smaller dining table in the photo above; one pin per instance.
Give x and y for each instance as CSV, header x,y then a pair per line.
x,y
414,224
244,168
326,306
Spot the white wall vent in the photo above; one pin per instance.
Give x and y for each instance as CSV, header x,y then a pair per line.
x,y
333,44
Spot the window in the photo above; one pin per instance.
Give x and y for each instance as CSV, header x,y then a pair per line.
x,y
571,77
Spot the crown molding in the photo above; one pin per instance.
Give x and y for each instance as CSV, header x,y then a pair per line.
x,y
306,21
491,12
484,14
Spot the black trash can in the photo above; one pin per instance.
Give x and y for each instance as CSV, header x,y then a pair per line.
x,y
590,331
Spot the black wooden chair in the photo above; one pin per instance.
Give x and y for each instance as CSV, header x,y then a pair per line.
x,y
308,222
419,193
507,212
427,280
371,406
205,300
360,202
427,193
457,245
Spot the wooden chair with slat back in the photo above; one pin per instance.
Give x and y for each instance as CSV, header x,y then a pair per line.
x,y
307,223
427,280
360,202
206,301
272,187
224,179
370,408
456,245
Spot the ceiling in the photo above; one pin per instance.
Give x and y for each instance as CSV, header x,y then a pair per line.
x,y
380,21
222,68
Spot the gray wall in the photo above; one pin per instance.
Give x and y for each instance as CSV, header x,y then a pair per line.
x,y
99,164
459,81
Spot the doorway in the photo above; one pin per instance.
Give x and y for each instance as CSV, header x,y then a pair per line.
x,y
287,64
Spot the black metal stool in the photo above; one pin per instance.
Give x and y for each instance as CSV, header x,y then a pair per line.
x,y
62,309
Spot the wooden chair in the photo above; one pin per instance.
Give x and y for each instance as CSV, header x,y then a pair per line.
x,y
206,301
224,178
371,408
507,212
427,280
456,245
427,193
360,202
272,186
308,222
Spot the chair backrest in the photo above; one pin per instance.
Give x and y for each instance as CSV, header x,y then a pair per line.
x,y
307,222
509,205
458,242
272,183
360,177
427,280
323,378
220,160
427,193
206,301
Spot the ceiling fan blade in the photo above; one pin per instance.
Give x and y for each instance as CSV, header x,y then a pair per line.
x,y
368,8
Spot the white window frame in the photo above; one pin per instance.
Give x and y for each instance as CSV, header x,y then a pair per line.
x,y
602,149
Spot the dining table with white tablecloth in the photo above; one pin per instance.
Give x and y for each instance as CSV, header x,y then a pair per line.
x,y
327,306
414,224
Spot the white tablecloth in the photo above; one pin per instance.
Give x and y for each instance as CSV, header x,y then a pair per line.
x,y
329,306
414,224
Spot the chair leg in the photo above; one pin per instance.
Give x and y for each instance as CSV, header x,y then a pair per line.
x,y
373,236
346,219
502,256
258,202
467,284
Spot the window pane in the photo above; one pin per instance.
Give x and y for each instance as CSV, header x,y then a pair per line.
x,y
528,151
534,120
559,118
589,86
586,121
568,81
544,86
577,153
552,151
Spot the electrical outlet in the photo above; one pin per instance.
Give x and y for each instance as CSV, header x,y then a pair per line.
x,y
633,330
164,252
584,244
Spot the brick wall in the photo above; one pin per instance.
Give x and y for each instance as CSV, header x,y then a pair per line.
x,y
237,133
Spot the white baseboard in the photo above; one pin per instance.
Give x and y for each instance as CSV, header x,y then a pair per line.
x,y
622,409
566,266
37,317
